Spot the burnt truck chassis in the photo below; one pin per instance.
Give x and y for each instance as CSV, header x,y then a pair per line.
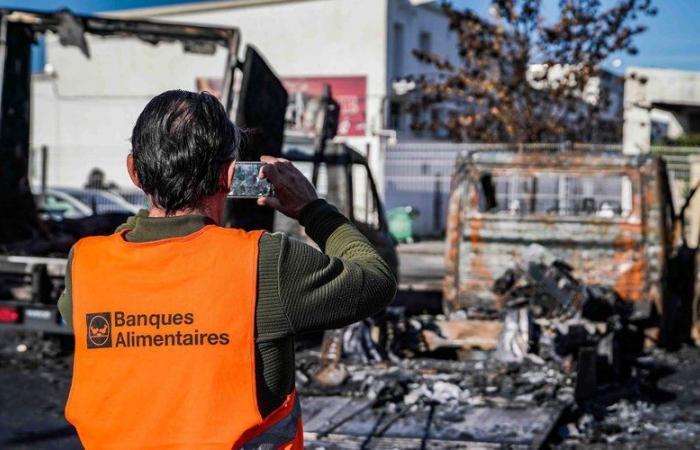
x,y
34,283
642,255
18,31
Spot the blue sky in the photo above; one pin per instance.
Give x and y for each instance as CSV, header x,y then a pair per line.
x,y
672,40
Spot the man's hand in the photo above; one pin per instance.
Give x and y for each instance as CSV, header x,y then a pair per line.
x,y
294,190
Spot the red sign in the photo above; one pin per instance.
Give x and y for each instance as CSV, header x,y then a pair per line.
x,y
304,101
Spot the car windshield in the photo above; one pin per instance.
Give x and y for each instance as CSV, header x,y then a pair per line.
x,y
100,202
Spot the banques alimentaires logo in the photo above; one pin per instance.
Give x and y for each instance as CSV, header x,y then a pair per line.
x,y
127,331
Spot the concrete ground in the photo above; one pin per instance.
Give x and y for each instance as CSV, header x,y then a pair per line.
x,y
422,264
421,270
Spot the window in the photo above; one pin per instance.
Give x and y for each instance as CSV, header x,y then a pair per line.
x,y
435,121
38,55
425,42
331,182
398,50
365,209
694,123
395,117
62,208
513,194
560,194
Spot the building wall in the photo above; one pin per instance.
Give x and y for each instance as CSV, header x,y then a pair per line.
x,y
412,23
85,109
85,112
317,38
311,38
417,21
647,89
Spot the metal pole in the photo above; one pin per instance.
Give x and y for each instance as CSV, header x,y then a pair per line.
x,y
3,55
437,205
366,186
229,73
44,170
320,144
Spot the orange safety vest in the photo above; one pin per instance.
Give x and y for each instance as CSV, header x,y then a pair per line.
x,y
164,345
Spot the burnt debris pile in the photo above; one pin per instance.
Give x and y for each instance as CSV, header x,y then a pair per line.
x,y
439,403
560,361
550,314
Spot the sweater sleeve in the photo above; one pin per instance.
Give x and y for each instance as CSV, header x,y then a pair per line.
x,y
347,281
65,301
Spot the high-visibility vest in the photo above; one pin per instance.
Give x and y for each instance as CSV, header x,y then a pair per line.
x,y
164,345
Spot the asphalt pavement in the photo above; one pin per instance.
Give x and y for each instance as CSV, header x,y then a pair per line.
x,y
422,264
34,383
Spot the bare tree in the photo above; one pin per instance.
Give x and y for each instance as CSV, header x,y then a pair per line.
x,y
499,94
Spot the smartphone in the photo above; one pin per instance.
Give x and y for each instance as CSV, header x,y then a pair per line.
x,y
246,183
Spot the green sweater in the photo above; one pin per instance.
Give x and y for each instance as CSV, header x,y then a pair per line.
x,y
299,288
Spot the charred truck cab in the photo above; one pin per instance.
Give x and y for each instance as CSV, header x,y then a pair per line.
x,y
33,250
610,216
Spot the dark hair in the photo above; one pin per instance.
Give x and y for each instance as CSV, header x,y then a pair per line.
x,y
179,143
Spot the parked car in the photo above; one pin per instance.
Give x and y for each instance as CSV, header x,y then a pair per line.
x,y
73,203
100,202
58,205
135,197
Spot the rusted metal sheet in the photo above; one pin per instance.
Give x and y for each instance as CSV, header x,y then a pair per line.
x,y
464,334
608,215
70,27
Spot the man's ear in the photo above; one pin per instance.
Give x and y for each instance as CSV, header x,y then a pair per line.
x,y
229,175
132,170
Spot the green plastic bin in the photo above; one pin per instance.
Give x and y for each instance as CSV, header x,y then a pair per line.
x,y
401,223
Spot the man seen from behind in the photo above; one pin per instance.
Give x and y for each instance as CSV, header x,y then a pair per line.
x,y
184,330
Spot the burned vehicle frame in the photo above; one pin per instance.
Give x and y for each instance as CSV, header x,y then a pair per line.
x,y
32,255
610,216
33,264
342,175
18,31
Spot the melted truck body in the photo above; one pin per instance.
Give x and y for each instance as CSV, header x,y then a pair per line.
x,y
608,215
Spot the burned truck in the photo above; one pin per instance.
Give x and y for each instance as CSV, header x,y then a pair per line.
x,y
609,216
33,248
346,181
32,245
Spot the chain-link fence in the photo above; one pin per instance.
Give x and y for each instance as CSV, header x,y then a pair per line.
x,y
419,175
677,160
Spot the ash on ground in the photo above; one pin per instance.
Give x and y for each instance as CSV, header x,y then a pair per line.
x,y
569,353
35,375
562,364
656,407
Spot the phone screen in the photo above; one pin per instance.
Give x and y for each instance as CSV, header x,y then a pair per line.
x,y
246,183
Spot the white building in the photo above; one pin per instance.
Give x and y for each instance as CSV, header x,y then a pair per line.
x,y
659,103
83,110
